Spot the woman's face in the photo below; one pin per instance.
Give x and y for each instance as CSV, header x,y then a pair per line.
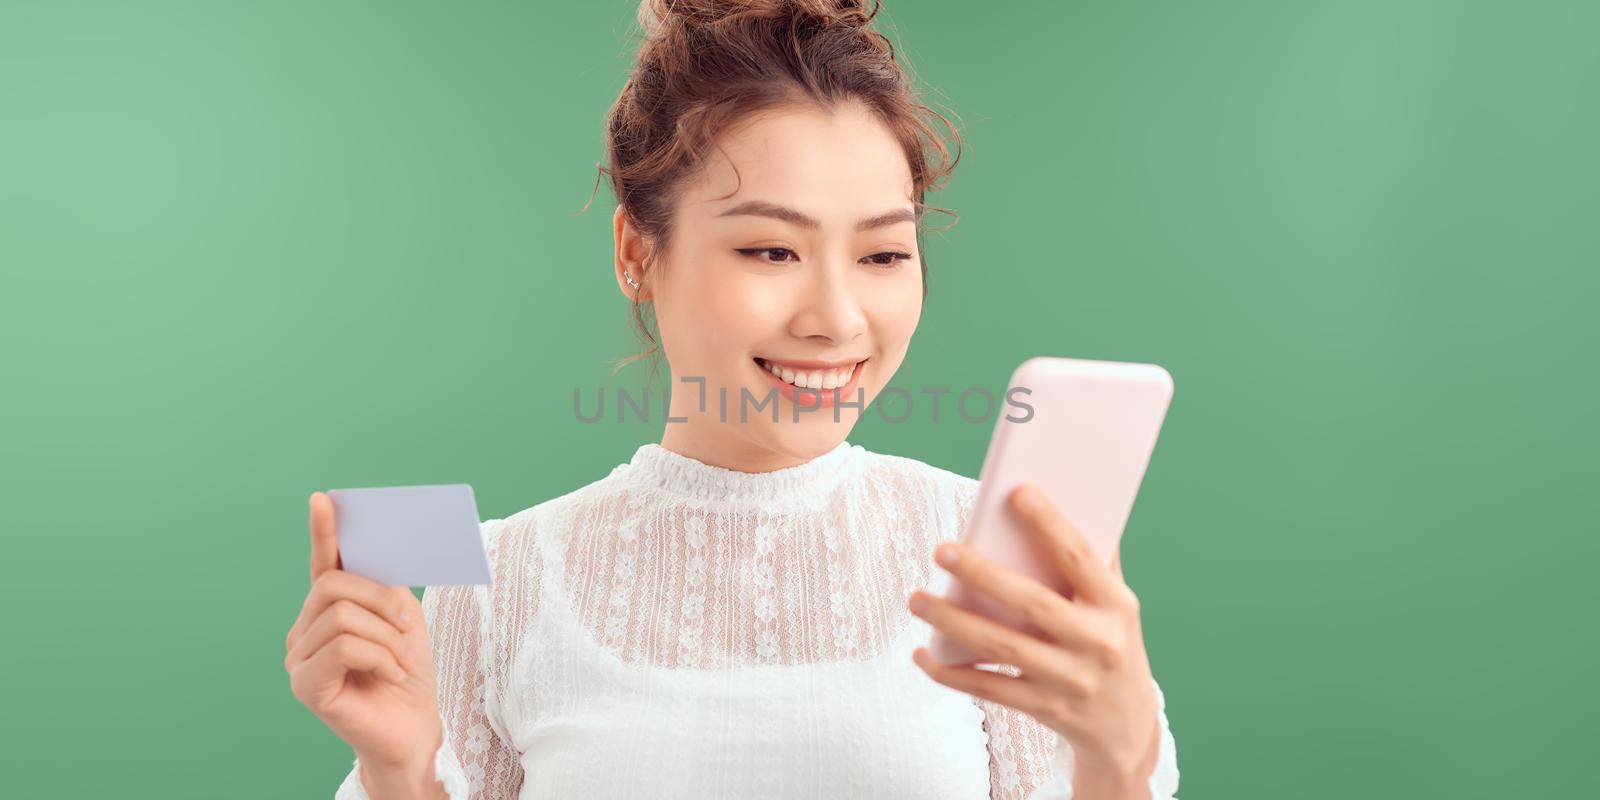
x,y
810,268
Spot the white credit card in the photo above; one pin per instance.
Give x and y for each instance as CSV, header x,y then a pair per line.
x,y
411,535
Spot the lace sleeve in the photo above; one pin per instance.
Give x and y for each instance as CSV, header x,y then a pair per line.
x,y
475,761
1028,761
1021,749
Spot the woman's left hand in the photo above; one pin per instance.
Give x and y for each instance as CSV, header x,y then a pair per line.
x,y
1090,681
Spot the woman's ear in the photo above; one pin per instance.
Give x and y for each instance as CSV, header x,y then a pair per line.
x,y
631,251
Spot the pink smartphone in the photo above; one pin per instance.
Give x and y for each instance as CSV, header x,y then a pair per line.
x,y
1084,431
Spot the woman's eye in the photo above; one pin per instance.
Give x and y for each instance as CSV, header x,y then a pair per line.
x,y
753,251
894,258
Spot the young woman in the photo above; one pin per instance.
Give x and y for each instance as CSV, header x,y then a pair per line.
x,y
737,611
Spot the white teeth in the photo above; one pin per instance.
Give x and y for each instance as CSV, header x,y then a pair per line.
x,y
812,379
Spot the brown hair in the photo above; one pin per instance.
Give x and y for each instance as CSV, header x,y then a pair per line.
x,y
703,65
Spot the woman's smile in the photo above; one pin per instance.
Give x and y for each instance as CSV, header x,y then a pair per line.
x,y
819,379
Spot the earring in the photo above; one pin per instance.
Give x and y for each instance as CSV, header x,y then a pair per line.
x,y
631,281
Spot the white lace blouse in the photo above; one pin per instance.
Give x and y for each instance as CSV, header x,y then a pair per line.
x,y
678,630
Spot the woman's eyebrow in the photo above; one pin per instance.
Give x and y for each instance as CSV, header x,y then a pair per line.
x,y
761,208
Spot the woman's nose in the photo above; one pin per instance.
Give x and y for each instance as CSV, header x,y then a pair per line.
x,y
831,309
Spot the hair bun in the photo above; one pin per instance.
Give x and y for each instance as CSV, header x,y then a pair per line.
x,y
658,15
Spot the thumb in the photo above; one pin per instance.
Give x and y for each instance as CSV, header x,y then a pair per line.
x,y
324,536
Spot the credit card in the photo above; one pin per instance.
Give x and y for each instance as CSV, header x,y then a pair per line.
x,y
411,535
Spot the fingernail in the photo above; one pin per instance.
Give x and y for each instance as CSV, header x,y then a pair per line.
x,y
946,554
917,603
405,617
1028,498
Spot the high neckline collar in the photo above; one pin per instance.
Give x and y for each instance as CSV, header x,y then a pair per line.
x,y
658,467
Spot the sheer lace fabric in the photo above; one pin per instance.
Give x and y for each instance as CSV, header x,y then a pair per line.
x,y
676,629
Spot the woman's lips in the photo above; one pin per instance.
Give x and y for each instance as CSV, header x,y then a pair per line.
x,y
814,398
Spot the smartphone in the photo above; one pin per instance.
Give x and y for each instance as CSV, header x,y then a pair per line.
x,y
1083,431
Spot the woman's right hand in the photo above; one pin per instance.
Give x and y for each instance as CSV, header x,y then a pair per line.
x,y
359,658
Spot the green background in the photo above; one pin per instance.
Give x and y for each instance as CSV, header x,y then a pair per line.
x,y
252,250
